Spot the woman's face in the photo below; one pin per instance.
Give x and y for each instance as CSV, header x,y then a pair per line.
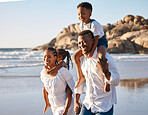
x,y
49,58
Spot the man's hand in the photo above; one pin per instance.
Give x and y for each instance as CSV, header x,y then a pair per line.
x,y
77,107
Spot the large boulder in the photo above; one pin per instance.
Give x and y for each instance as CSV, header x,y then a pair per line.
x,y
128,18
129,35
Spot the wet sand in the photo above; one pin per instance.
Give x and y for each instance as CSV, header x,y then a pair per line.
x,y
23,96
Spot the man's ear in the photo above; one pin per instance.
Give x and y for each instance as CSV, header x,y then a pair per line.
x,y
90,14
92,40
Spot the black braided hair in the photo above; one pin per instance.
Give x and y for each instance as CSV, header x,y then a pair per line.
x,y
65,54
54,52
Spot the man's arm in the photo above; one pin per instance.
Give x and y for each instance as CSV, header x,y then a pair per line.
x,y
77,105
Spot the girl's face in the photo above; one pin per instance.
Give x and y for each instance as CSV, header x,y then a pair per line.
x,y
84,15
49,58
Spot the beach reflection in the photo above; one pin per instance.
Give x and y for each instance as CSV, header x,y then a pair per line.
x,y
133,83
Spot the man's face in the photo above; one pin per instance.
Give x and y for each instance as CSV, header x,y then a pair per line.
x,y
85,43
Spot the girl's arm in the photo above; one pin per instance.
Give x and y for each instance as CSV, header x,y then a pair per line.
x,y
54,70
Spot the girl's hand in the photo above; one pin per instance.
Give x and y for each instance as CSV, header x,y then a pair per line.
x,y
45,67
63,64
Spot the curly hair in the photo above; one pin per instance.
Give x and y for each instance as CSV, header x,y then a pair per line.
x,y
86,5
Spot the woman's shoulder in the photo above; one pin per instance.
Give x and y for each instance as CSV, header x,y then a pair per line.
x,y
42,72
63,69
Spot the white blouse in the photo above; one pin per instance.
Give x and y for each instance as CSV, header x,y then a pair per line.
x,y
56,88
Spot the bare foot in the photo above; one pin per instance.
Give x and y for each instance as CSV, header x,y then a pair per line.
x,y
107,87
46,107
81,80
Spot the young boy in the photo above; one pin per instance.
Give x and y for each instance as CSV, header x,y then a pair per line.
x,y
84,14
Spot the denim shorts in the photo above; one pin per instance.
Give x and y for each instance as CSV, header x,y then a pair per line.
x,y
102,42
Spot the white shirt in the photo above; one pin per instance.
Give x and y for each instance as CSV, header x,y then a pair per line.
x,y
56,88
94,26
96,98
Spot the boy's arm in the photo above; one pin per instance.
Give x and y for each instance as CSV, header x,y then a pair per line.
x,y
68,100
94,46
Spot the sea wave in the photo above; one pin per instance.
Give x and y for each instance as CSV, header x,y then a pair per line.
x,y
20,65
130,57
21,55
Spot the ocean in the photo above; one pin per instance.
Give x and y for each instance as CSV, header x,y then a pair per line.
x,y
21,88
25,62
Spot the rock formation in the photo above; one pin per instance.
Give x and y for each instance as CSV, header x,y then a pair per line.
x,y
129,35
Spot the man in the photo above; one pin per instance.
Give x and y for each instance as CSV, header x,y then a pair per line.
x,y
96,101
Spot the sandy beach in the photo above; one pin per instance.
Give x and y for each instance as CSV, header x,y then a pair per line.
x,y
21,87
23,96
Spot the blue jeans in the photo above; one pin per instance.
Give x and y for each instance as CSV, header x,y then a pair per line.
x,y
84,111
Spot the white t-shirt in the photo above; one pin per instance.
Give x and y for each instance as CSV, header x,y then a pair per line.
x,y
56,88
94,26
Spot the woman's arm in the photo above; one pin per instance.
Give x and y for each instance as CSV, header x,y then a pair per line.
x,y
68,99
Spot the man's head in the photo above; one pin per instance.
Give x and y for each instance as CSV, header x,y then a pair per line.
x,y
86,41
84,12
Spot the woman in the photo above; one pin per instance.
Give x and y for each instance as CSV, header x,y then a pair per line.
x,y
56,84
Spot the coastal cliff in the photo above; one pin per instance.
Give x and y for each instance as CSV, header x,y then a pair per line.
x,y
129,35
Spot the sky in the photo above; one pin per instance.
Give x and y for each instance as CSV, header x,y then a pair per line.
x,y
31,23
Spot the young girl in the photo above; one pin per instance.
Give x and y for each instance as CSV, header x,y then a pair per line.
x,y
58,84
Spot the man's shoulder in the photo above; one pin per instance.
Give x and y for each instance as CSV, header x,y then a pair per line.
x,y
109,57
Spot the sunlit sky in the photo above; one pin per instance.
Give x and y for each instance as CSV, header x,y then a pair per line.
x,y
30,23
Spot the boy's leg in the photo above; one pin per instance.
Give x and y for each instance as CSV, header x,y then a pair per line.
x,y
101,52
45,95
101,55
76,58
